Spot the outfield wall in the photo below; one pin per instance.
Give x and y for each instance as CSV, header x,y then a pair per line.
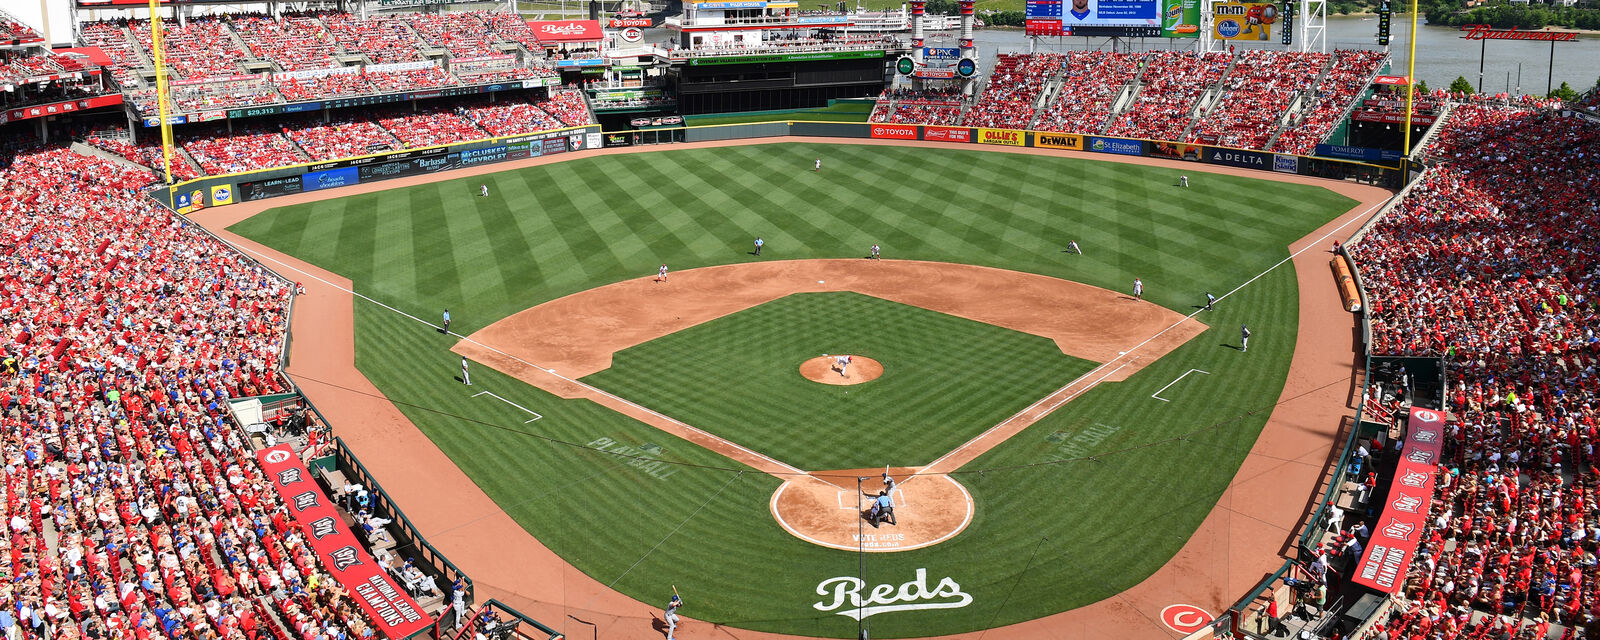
x,y
222,190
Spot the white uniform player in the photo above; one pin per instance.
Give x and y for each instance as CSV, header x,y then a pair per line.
x,y
661,274
844,364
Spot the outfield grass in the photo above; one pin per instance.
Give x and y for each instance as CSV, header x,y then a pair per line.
x,y
941,379
1063,532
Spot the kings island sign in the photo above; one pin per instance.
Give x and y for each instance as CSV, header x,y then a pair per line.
x,y
1486,32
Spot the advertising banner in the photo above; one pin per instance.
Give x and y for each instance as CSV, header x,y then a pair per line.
x,y
623,23
1393,81
553,146
1177,151
936,54
895,131
1119,146
949,72
394,613
261,189
947,134
188,200
1180,19
1239,158
554,31
1286,164
1243,20
221,194
1361,154
480,156
410,166
1058,141
787,57
1394,540
42,110
1417,119
329,179
1071,15
1007,137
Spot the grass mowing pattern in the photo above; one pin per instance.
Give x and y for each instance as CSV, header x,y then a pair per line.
x,y
552,230
942,383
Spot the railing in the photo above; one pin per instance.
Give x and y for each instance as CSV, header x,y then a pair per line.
x,y
422,549
497,621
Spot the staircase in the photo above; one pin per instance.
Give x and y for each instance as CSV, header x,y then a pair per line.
x,y
1209,99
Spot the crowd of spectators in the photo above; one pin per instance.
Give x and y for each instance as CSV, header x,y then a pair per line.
x,y
381,38
1007,101
428,127
224,95
1169,85
13,29
246,149
293,42
931,105
463,34
1258,90
148,155
1346,80
341,139
1490,262
202,48
325,86
112,38
1091,80
509,118
134,506
568,106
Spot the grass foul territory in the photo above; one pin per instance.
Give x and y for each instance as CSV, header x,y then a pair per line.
x,y
1076,508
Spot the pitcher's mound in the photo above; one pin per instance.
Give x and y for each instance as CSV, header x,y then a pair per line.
x,y
826,370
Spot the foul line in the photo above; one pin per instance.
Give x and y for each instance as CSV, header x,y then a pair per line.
x,y
535,414
931,466
1157,394
588,387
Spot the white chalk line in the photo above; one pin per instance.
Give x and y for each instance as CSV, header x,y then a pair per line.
x,y
1157,394
592,389
933,465
531,412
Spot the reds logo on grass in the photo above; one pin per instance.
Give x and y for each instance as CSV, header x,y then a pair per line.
x,y
847,600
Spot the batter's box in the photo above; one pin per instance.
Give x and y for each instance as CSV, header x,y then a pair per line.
x,y
898,496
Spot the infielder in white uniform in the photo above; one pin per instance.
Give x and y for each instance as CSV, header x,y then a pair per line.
x,y
1138,289
661,274
464,376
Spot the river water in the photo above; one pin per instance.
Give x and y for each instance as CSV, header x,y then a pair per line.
x,y
1442,54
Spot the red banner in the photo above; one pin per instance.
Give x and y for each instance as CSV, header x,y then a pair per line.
x,y
947,134
1037,27
1391,80
1394,541
394,613
895,131
40,111
623,23
1488,32
548,31
1388,117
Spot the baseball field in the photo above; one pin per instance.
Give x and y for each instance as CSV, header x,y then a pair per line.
x,y
1079,505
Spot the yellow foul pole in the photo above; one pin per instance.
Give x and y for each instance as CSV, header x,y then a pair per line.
x,y
1411,77
161,87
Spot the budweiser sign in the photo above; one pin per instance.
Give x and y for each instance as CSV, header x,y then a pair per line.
x,y
1485,32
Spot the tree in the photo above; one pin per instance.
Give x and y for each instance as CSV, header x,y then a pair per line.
x,y
1564,92
1421,87
1460,85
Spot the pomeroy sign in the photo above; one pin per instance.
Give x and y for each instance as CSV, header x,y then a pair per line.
x,y
894,131
395,613
1394,540
843,596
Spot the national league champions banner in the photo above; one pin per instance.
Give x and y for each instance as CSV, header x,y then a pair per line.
x,y
394,613
1394,541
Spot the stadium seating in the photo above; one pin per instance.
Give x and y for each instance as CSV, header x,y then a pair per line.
x,y
1352,72
202,48
1091,80
134,506
430,127
293,43
1489,261
245,150
1171,83
463,34
568,106
341,139
1007,102
924,106
382,39
511,118
148,155
1257,91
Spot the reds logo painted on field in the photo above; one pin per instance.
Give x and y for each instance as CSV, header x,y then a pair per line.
x,y
1185,618
848,601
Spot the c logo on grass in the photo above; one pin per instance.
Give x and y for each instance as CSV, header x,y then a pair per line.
x,y
1185,618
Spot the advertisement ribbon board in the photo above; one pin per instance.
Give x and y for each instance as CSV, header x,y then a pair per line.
x,y
1398,531
1007,137
394,613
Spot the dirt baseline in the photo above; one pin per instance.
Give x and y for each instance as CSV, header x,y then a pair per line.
x,y
576,335
825,508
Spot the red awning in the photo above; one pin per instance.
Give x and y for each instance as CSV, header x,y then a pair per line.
x,y
93,54
553,31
